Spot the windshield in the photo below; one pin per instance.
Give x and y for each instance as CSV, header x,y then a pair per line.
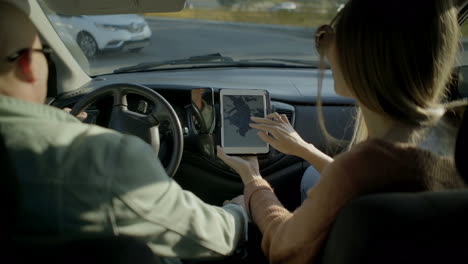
x,y
206,33
263,31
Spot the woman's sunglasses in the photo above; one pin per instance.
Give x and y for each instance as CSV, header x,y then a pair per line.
x,y
46,50
323,35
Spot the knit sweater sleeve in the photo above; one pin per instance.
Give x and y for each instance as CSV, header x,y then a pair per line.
x,y
296,237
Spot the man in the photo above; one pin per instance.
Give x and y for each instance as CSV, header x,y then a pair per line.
x,y
78,179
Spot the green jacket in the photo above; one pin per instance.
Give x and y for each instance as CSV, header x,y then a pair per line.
x,y
78,179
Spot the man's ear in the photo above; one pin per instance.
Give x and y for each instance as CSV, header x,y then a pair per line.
x,y
25,67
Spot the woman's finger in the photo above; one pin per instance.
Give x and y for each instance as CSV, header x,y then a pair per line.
x,y
266,138
265,121
271,129
274,116
229,160
284,118
220,153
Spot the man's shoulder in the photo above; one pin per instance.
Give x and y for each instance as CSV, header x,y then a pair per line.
x,y
106,142
92,135
77,137
109,153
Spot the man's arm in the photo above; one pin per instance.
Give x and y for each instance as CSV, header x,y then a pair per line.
x,y
148,204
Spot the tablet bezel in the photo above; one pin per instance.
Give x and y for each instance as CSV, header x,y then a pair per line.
x,y
243,150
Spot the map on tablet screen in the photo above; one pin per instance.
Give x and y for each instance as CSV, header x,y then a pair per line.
x,y
238,106
237,112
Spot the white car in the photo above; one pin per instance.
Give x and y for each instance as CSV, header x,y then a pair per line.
x,y
285,6
94,34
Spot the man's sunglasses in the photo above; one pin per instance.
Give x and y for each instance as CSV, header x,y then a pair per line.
x,y
47,51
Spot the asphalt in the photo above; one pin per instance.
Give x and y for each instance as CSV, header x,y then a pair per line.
x,y
176,39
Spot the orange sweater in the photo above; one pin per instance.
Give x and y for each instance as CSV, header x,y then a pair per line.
x,y
370,167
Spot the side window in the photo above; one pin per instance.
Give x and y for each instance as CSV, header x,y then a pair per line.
x,y
463,84
464,44
463,61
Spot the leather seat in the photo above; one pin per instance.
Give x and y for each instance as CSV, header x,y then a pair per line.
x,y
428,227
116,250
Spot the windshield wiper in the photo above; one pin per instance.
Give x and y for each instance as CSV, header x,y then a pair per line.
x,y
203,59
310,63
216,60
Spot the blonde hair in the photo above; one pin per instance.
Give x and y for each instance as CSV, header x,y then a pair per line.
x,y
396,58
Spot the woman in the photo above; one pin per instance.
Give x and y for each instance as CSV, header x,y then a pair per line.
x,y
395,59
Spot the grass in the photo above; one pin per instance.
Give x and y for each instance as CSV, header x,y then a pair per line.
x,y
305,18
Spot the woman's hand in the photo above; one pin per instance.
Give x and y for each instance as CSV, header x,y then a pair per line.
x,y
282,135
247,167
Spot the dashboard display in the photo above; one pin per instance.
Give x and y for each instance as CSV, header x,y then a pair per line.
x,y
203,110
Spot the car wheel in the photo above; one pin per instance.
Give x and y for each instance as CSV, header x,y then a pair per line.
x,y
136,50
87,44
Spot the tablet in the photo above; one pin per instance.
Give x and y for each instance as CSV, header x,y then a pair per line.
x,y
237,107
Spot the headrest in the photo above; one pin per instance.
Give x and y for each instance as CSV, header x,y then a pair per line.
x,y
23,5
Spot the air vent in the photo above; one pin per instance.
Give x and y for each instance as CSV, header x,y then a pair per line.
x,y
288,113
284,109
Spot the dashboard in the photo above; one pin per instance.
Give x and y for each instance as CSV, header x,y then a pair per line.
x,y
293,92
181,101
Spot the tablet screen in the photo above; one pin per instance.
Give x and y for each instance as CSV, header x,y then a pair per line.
x,y
237,110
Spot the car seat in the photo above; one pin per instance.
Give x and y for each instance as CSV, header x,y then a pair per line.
x,y
427,227
116,250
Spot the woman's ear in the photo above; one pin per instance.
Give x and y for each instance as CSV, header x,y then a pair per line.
x,y
25,67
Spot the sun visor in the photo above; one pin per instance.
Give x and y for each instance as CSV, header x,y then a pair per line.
x,y
22,5
103,7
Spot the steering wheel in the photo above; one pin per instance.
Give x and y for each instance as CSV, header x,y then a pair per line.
x,y
145,126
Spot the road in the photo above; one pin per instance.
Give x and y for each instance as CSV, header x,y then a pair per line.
x,y
176,39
